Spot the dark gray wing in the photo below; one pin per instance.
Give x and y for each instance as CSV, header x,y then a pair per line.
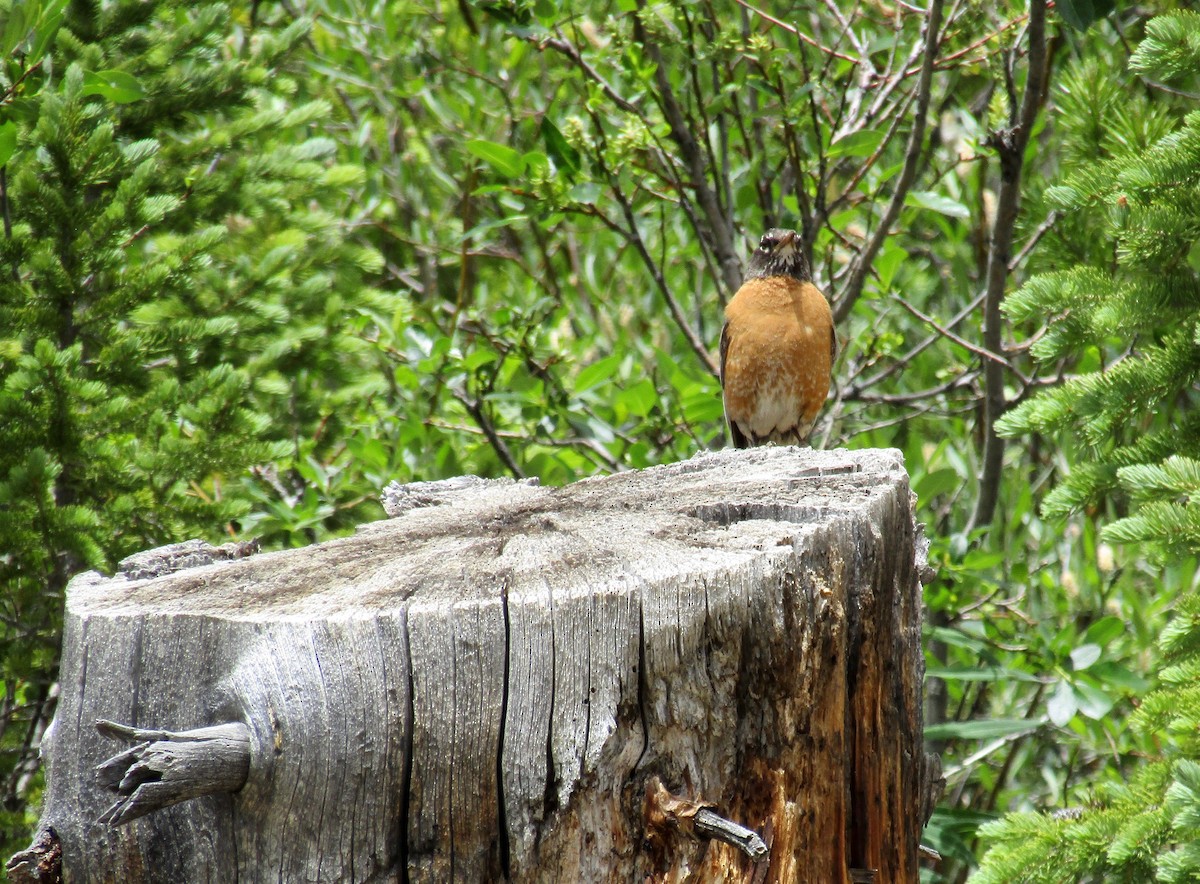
x,y
739,439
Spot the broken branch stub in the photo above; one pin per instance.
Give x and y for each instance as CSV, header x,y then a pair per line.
x,y
165,767
666,813
483,687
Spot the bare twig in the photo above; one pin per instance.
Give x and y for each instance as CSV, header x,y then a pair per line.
x,y
558,44
1033,240
955,56
719,225
858,394
11,91
870,161
792,29
962,342
914,352
862,261
634,238
166,767
602,457
711,825
665,813
698,346
475,408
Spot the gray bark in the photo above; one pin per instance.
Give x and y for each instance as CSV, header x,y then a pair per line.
x,y
483,687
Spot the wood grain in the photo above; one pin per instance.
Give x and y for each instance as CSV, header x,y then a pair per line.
x,y
481,688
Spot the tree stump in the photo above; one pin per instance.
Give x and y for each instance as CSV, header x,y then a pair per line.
x,y
611,681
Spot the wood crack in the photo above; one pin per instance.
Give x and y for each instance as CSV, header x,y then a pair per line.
x,y
501,810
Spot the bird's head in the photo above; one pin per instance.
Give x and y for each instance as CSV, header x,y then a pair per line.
x,y
779,253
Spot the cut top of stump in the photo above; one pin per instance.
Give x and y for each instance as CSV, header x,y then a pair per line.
x,y
465,541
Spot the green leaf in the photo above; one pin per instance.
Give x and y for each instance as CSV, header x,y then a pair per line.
x,y
535,163
1115,675
586,192
45,30
982,559
985,729
640,398
503,159
978,673
1080,14
888,263
492,223
1104,630
8,141
560,150
16,26
702,407
597,372
927,199
1092,701
1084,656
599,430
857,144
956,638
937,482
117,86
479,358
1063,705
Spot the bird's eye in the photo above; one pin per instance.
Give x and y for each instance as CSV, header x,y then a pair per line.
x,y
767,243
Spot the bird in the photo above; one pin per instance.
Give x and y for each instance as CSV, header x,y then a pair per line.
x,y
777,347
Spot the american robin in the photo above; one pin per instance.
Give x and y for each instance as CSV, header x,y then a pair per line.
x,y
777,347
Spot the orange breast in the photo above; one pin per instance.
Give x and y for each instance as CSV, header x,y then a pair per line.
x,y
778,359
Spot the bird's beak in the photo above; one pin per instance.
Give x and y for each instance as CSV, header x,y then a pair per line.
x,y
788,239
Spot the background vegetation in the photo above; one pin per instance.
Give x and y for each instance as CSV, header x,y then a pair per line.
x,y
259,259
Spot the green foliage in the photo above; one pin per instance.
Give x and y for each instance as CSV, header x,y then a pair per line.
x,y
544,223
164,287
1170,517
1137,311
1145,830
1079,14
258,269
1170,48
559,280
1135,418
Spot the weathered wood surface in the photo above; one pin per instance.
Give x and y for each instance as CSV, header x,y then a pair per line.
x,y
483,687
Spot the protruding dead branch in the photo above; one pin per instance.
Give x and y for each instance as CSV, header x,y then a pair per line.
x,y
166,767
695,819
40,863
